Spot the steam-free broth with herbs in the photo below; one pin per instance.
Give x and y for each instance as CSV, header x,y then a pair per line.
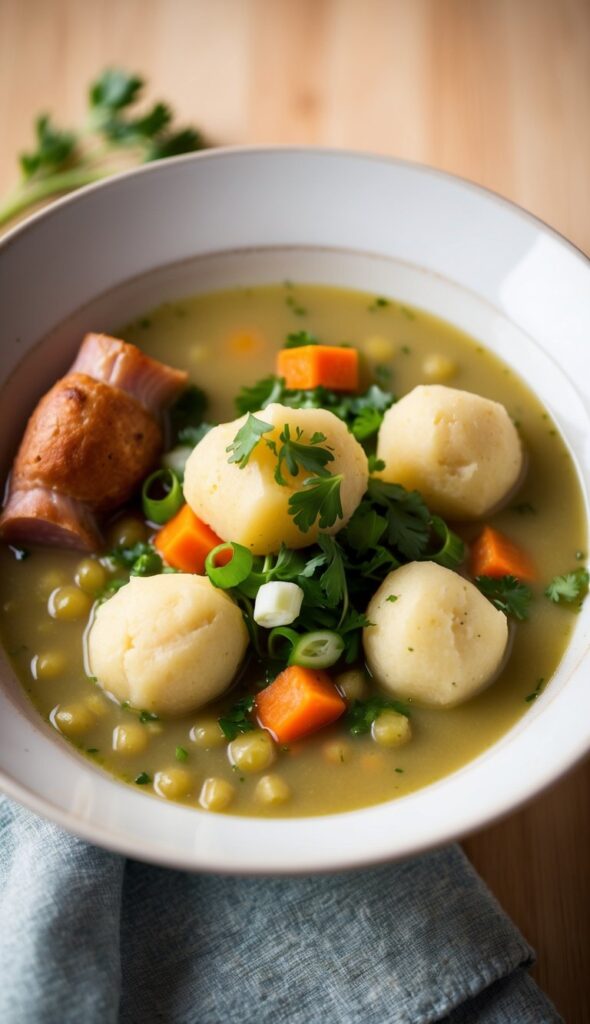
x,y
225,341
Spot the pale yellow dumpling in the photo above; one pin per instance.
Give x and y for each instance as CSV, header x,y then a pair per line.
x,y
461,451
434,638
248,505
168,643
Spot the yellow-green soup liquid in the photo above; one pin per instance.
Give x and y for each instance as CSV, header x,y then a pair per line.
x,y
227,340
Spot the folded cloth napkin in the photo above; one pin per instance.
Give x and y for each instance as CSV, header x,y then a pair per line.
x,y
87,937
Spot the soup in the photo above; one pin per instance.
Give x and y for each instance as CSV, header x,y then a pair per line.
x,y
380,745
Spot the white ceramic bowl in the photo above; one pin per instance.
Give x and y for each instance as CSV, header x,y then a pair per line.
x,y
249,216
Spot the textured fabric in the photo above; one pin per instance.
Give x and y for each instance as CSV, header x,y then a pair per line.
x,y
86,936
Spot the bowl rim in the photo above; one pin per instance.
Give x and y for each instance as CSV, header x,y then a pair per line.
x,y
129,846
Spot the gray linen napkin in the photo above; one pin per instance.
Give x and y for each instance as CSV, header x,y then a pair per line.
x,y
87,937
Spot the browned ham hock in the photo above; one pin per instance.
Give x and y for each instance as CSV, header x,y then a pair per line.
x,y
88,444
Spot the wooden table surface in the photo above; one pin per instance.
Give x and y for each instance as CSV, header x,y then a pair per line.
x,y
497,91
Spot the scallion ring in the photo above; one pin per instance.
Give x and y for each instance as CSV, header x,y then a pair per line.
x,y
319,649
452,551
160,510
276,649
235,571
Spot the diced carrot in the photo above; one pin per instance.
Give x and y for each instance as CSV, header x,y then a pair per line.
x,y
493,554
312,366
185,541
299,701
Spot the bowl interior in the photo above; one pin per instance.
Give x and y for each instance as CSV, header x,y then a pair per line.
x,y
409,247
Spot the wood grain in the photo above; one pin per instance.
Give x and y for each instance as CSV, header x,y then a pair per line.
x,y
497,91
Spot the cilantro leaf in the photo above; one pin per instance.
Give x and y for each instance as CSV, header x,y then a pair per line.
x,y
246,439
507,593
569,587
362,713
320,500
297,455
236,720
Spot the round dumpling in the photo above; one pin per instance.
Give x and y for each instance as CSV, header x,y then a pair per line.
x,y
434,638
168,643
248,505
461,451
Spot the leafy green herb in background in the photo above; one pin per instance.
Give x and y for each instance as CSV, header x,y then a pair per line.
x,y
115,135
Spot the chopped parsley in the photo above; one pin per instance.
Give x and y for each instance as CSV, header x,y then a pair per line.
x,y
246,439
237,720
297,339
392,598
507,593
148,716
319,500
296,455
181,754
143,779
362,713
568,588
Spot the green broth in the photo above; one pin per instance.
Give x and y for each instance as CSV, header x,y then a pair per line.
x,y
226,340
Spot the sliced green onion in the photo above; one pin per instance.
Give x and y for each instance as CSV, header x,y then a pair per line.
x,y
235,572
276,649
176,459
452,551
160,510
319,649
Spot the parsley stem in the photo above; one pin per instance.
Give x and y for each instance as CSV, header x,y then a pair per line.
x,y
25,196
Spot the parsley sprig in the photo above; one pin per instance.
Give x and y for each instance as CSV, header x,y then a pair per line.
x,y
568,588
246,440
363,413
362,713
296,454
507,593
115,135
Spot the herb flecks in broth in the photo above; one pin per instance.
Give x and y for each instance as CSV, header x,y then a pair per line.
x,y
218,758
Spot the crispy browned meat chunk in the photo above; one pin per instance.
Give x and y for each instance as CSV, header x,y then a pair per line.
x,y
89,441
88,444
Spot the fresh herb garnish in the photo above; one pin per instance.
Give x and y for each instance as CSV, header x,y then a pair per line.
x,y
186,415
319,500
236,720
362,713
148,716
378,303
569,587
63,160
181,754
142,779
296,455
507,593
246,439
393,598
408,517
297,339
375,464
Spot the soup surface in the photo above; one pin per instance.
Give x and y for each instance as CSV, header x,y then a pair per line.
x,y
227,340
